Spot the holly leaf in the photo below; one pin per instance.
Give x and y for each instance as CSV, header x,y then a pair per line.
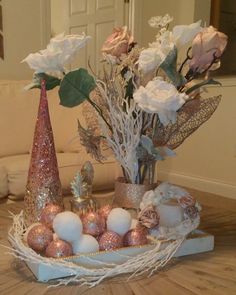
x,y
76,87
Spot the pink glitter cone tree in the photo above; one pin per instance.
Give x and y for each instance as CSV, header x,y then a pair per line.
x,y
43,184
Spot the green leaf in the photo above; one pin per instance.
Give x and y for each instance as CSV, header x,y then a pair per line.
x,y
206,82
51,82
76,87
169,66
147,144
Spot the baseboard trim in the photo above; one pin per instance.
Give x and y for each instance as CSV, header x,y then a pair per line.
x,y
199,183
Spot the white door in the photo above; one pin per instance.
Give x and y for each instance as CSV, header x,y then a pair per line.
x,y
94,17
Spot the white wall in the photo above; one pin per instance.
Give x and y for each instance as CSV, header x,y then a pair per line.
x,y
59,16
207,159
26,29
183,12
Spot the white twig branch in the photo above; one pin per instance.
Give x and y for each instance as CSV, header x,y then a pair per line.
x,y
126,122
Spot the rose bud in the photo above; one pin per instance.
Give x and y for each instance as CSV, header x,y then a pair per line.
x,y
149,217
207,46
118,42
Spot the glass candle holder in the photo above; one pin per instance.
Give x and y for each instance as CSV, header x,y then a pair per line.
x,y
171,213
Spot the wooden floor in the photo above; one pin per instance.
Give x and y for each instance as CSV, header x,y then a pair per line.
x,y
209,273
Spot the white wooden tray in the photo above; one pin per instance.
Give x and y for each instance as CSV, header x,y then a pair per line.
x,y
198,242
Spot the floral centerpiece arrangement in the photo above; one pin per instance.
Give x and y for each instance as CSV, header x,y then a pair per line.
x,y
147,101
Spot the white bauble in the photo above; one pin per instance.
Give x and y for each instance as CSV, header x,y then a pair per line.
x,y
119,221
134,223
25,236
68,226
86,244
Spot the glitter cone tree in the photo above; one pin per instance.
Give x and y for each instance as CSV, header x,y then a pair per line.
x,y
43,184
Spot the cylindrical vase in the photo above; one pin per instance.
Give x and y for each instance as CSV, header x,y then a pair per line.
x,y
128,195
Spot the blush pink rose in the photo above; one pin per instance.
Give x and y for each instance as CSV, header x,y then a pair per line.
x,y
149,217
207,44
118,42
186,201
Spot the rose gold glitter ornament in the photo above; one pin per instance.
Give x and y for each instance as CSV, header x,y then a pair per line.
x,y
25,237
110,241
93,224
49,213
59,248
105,210
149,217
43,184
39,237
135,237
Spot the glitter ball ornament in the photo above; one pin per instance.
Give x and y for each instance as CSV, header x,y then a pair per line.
x,y
68,226
110,241
28,229
86,244
49,213
39,237
93,224
119,221
105,211
59,248
135,237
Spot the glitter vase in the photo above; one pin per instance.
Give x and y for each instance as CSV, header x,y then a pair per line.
x,y
128,195
43,184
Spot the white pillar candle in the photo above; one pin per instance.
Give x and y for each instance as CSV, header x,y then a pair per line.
x,y
171,214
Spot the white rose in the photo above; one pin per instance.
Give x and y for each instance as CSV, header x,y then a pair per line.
x,y
148,199
160,97
160,21
185,33
152,57
59,52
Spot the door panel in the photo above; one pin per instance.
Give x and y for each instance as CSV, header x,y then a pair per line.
x,y
94,17
78,6
101,4
82,56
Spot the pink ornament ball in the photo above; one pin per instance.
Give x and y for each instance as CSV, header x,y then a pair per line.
x,y
110,241
135,237
39,237
25,237
49,213
105,210
59,248
93,224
